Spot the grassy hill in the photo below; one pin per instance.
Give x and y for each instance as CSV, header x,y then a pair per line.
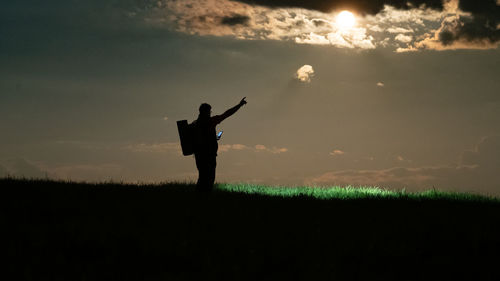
x,y
110,231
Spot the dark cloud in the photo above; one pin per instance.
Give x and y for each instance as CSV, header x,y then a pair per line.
x,y
318,22
360,6
479,7
482,26
235,20
446,37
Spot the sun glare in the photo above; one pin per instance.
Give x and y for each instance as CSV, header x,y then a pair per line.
x,y
345,19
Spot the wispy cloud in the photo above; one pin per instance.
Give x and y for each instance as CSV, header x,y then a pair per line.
x,y
337,152
274,150
399,30
228,147
256,148
396,177
168,147
401,159
477,170
174,147
353,38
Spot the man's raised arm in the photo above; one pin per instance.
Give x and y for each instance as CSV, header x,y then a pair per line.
x,y
233,110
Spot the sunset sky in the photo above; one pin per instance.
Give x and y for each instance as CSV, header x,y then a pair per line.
x,y
339,92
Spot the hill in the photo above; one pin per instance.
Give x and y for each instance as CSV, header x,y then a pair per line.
x,y
110,231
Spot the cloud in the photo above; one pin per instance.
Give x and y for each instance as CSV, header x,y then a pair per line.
x,y
375,27
337,152
477,170
235,19
435,24
260,147
380,84
169,147
316,39
351,38
447,40
227,147
304,73
466,25
256,148
452,178
391,17
274,150
250,22
404,38
396,177
406,49
483,25
360,6
175,147
461,32
401,159
399,30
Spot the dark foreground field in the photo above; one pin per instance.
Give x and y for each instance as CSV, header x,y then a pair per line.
x,y
58,231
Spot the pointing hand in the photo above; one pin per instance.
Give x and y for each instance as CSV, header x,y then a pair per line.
x,y
243,101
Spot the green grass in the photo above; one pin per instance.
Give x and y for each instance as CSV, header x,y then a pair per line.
x,y
317,192
350,192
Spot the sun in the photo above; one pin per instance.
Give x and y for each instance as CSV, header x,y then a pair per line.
x,y
345,19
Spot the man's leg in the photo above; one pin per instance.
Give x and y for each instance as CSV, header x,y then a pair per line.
x,y
212,163
202,163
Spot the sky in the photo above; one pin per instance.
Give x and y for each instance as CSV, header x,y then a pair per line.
x,y
395,94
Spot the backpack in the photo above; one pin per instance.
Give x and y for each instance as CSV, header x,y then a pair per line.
x,y
187,135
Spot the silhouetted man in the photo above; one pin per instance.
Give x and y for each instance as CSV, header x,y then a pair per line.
x,y
205,151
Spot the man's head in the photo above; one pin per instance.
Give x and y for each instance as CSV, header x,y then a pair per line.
x,y
205,110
